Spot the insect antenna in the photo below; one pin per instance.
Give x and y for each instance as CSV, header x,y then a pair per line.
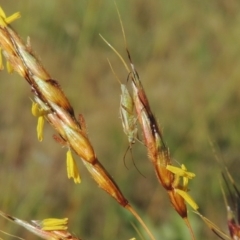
x,y
124,160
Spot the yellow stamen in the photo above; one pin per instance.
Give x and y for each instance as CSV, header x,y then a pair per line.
x,y
9,67
53,224
40,126
185,183
187,198
1,62
13,17
35,109
2,13
4,21
182,172
72,169
37,112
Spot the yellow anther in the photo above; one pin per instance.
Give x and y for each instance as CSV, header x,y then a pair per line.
x,y
35,109
37,112
4,21
182,172
1,62
9,67
53,224
72,169
40,126
187,198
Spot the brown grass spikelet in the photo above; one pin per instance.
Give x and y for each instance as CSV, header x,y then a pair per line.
x,y
104,180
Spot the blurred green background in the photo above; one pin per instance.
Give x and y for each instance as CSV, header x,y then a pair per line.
x,y
188,56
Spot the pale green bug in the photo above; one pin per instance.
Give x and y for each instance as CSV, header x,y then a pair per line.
x,y
127,115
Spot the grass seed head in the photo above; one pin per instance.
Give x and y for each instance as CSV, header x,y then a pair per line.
x,y
48,229
80,143
178,203
165,176
106,182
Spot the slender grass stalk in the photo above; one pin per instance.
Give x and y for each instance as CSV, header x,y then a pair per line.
x,y
214,228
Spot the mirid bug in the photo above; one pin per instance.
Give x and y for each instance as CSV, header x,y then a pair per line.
x,y
128,118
